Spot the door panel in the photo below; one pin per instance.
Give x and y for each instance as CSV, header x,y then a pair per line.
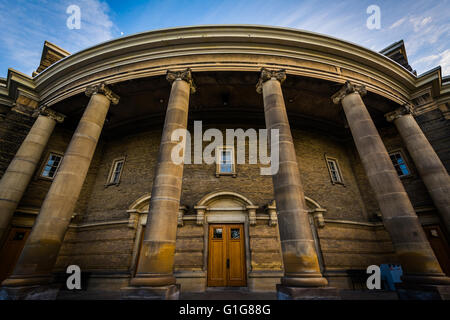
x,y
11,250
217,261
226,258
439,245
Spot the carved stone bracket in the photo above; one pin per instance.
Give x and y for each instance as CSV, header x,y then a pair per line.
x,y
181,211
184,75
200,214
267,74
347,89
318,217
103,89
271,210
47,112
252,214
400,112
133,218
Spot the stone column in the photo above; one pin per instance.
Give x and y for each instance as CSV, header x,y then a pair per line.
x,y
430,167
41,249
416,256
155,267
16,178
301,265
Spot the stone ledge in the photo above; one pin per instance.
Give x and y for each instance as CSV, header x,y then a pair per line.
x,y
423,292
37,292
305,293
171,292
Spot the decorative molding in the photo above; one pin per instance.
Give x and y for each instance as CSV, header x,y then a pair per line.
x,y
445,109
267,74
103,89
184,75
400,112
347,89
47,112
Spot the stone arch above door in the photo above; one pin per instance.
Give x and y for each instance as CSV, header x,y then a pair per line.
x,y
225,203
314,208
140,207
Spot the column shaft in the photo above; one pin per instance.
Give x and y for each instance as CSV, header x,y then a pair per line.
x,y
158,248
409,240
430,167
301,265
17,176
41,249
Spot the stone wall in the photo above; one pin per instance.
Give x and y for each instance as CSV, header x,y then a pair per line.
x,y
437,130
14,127
347,246
100,243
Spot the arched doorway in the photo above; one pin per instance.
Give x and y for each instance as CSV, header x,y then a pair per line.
x,y
226,217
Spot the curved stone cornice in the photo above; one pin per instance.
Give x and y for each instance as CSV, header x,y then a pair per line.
x,y
103,89
347,89
233,48
47,112
184,75
267,74
400,112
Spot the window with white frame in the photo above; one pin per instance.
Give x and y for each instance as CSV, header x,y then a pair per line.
x,y
399,163
225,161
51,165
333,169
116,171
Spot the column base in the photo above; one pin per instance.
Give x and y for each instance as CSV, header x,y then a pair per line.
x,y
36,292
304,281
152,280
299,293
170,292
426,280
27,281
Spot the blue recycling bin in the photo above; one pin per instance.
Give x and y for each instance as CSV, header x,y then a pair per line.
x,y
391,274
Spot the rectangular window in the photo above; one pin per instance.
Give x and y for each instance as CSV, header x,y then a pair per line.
x,y
225,161
333,169
399,164
116,171
51,166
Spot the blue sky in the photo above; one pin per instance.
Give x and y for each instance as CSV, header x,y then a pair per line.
x,y
25,25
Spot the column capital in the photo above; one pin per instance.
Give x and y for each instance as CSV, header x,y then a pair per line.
x,y
400,112
184,75
267,74
47,112
104,90
347,89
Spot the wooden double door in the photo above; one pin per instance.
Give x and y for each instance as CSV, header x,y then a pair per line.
x,y
226,256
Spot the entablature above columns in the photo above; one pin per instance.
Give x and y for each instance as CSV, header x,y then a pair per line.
x,y
229,48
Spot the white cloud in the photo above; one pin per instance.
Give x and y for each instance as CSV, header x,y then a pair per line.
x,y
444,62
431,61
397,23
419,23
26,25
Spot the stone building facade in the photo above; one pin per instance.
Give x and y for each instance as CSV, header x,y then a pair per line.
x,y
86,179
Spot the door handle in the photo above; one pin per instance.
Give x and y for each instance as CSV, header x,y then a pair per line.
x,y
228,263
